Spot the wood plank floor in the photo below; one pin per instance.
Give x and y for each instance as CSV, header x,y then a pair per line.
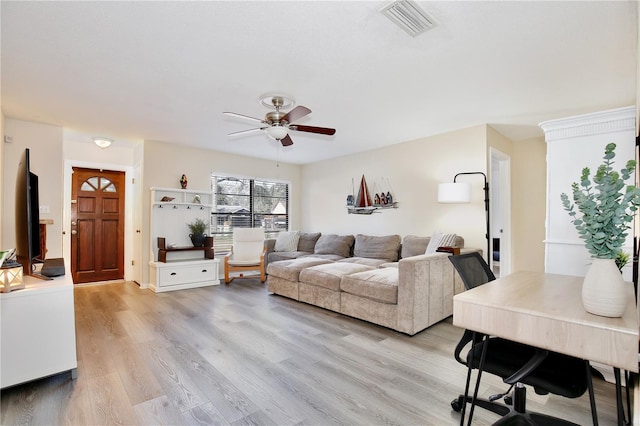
x,y
238,355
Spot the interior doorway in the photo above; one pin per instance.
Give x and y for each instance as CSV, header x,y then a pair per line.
x,y
97,225
500,208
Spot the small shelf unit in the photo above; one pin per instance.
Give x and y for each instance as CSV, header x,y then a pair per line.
x,y
174,263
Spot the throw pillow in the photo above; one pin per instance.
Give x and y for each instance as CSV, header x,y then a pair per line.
x,y
334,244
308,241
287,241
439,239
374,247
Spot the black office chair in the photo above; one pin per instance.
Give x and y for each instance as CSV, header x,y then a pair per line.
x,y
516,363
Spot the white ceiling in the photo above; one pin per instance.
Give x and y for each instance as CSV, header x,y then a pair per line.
x,y
167,70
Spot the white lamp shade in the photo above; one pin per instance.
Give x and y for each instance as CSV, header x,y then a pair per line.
x,y
276,132
454,192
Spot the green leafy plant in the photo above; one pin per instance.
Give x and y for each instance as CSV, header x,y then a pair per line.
x,y
197,227
605,207
622,258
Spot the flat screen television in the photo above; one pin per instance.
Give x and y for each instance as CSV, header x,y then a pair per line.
x,y
27,216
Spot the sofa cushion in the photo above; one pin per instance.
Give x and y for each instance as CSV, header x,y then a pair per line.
x,y
287,241
307,241
290,269
380,285
334,244
285,255
363,261
329,275
377,247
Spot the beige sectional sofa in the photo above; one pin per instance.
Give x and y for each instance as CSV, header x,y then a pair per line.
x,y
381,280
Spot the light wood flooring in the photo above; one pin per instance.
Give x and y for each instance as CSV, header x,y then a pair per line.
x,y
238,355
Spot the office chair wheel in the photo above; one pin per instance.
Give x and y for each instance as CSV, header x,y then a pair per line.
x,y
456,404
508,400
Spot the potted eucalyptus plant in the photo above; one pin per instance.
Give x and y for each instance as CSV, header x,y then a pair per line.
x,y
197,235
602,212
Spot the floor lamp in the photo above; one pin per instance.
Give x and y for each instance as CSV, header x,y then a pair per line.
x,y
457,192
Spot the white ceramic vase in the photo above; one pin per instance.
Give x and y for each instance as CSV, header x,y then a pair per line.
x,y
604,290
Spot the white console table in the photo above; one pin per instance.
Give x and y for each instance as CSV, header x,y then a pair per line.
x,y
38,331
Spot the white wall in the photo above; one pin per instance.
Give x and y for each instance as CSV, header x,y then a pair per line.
x,y
45,148
414,170
528,204
1,173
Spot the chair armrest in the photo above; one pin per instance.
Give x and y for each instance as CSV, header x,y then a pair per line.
x,y
228,255
466,338
528,368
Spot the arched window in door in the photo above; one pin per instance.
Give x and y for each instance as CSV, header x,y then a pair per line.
x,y
98,183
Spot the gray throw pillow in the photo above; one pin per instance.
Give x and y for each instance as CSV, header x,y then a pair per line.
x,y
382,248
307,241
334,244
414,246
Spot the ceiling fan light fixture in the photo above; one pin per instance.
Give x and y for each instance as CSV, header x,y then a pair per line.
x,y
276,132
103,142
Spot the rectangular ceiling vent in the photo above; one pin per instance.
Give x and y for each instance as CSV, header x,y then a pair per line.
x,y
409,16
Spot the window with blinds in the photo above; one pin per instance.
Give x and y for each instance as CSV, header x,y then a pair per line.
x,y
247,203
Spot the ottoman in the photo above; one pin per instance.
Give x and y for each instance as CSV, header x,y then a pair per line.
x,y
320,285
283,274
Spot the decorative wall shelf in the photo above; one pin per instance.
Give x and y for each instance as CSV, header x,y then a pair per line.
x,y
362,203
371,209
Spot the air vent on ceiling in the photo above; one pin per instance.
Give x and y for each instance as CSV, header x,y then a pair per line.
x,y
409,16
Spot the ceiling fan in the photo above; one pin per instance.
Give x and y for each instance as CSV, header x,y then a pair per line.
x,y
277,124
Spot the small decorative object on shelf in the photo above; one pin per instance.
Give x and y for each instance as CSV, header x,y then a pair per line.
x,y
350,200
165,199
183,182
363,205
196,199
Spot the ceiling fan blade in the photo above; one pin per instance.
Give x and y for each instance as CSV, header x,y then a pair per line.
x,y
296,113
245,131
286,141
246,117
313,129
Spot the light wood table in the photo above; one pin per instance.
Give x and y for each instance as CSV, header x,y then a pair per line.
x,y
546,311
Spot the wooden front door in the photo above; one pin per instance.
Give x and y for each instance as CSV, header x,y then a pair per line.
x,y
97,225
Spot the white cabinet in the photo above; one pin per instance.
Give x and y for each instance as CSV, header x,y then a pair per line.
x,y
184,274
171,210
38,331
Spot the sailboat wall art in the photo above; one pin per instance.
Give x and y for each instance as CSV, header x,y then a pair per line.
x,y
362,202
